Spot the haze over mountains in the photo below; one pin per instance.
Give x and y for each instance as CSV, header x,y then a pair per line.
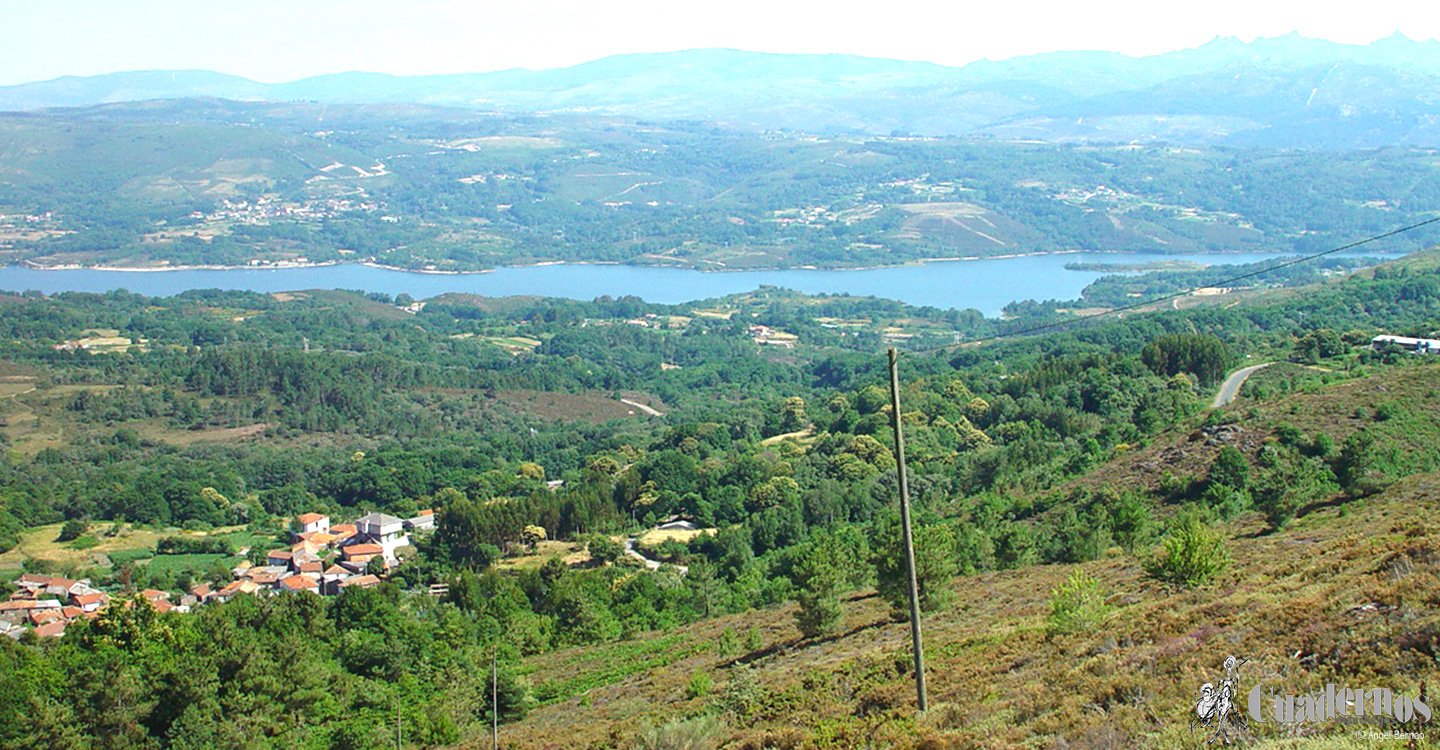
x,y
1286,91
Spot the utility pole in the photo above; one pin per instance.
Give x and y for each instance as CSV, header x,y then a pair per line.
x,y
914,588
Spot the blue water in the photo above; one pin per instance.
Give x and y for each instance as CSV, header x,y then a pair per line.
x,y
986,285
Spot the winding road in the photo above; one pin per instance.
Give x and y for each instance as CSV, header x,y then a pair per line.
x,y
1232,384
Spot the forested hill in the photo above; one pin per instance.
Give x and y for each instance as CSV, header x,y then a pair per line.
x,y
210,182
148,439
1281,92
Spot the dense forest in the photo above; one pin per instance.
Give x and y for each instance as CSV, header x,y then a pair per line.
x,y
226,414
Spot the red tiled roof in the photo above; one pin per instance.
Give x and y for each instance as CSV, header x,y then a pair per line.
x,y
299,583
42,616
355,550
50,630
310,518
24,604
428,512
364,582
71,613
278,554
84,599
153,594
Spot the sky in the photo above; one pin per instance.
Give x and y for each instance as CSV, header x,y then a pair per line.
x,y
283,40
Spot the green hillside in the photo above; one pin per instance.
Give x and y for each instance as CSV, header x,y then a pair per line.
x,y
224,183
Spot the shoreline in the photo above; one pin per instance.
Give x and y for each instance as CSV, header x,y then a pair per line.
x,y
285,266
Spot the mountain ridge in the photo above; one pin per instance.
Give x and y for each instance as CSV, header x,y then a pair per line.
x,y
840,93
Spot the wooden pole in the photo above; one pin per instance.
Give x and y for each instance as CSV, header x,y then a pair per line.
x,y
914,588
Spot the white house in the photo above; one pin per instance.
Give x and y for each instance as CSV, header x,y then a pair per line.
x,y
384,530
313,523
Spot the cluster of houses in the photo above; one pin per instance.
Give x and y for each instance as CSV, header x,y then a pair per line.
x,y
265,209
48,604
324,559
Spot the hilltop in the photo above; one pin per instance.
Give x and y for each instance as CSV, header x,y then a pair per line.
x,y
1285,91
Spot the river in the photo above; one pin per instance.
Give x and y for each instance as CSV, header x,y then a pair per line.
x,y
986,285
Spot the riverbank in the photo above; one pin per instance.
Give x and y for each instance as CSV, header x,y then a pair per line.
x,y
702,267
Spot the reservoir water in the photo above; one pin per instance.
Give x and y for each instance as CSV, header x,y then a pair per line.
x,y
986,285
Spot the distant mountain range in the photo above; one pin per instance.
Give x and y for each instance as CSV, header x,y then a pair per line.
x,y
1287,91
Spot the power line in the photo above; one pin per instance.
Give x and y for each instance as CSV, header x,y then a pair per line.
x,y
1176,295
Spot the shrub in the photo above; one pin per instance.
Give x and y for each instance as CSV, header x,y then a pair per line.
x,y
699,686
819,580
699,733
1388,410
1226,501
1076,605
73,529
193,545
1288,482
1192,554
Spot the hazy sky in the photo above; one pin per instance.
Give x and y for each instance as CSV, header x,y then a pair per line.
x,y
281,40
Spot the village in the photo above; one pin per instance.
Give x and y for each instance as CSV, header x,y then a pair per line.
x,y
323,559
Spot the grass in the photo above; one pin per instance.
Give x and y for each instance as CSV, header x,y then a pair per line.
x,y
131,544
40,543
513,344
568,552
657,537
615,662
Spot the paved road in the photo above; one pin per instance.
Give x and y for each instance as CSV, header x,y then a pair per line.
x,y
1232,384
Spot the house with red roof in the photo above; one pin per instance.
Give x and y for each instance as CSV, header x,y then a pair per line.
x,y
51,630
91,602
361,553
360,582
300,583
313,522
